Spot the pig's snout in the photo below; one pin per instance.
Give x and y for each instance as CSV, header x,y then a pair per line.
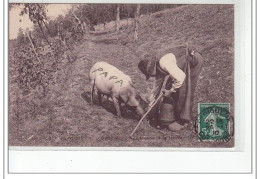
x,y
139,110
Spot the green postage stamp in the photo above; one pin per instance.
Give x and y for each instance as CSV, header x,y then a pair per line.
x,y
214,122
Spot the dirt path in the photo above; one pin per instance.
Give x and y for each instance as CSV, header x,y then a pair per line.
x,y
94,123
75,121
66,118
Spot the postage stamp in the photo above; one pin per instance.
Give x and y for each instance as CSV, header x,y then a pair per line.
x,y
214,121
116,80
120,75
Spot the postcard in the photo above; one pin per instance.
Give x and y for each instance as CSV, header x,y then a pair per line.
x,y
127,76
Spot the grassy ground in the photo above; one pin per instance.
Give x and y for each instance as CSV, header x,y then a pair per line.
x,y
66,118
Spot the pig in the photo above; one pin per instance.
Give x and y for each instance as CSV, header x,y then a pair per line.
x,y
112,82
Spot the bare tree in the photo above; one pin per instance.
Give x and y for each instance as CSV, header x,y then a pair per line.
x,y
79,20
26,32
137,14
117,17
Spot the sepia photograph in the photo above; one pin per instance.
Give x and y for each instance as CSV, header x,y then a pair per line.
x,y
121,75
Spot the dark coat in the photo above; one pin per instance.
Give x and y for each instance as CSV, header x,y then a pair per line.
x,y
191,65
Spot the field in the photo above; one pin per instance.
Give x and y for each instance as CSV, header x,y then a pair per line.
x,y
66,118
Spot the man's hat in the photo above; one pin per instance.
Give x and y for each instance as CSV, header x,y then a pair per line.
x,y
147,66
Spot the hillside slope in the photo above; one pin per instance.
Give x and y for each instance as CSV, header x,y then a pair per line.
x,y
207,28
66,118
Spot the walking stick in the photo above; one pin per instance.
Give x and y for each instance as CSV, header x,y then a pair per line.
x,y
147,112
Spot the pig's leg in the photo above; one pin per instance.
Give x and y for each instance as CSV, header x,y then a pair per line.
x,y
120,101
115,100
92,93
99,98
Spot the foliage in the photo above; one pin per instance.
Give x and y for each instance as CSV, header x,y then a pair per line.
x,y
53,31
33,72
37,56
68,120
93,14
36,12
127,11
21,39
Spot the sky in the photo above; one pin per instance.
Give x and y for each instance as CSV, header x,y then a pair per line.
x,y
16,21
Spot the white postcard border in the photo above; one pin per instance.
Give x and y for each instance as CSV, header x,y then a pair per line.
x,y
96,160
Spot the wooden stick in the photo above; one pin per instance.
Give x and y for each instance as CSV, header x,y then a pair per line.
x,y
147,112
155,102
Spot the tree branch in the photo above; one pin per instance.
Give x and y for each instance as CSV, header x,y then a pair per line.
x,y
32,46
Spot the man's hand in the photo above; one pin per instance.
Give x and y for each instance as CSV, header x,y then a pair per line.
x,y
176,85
167,93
